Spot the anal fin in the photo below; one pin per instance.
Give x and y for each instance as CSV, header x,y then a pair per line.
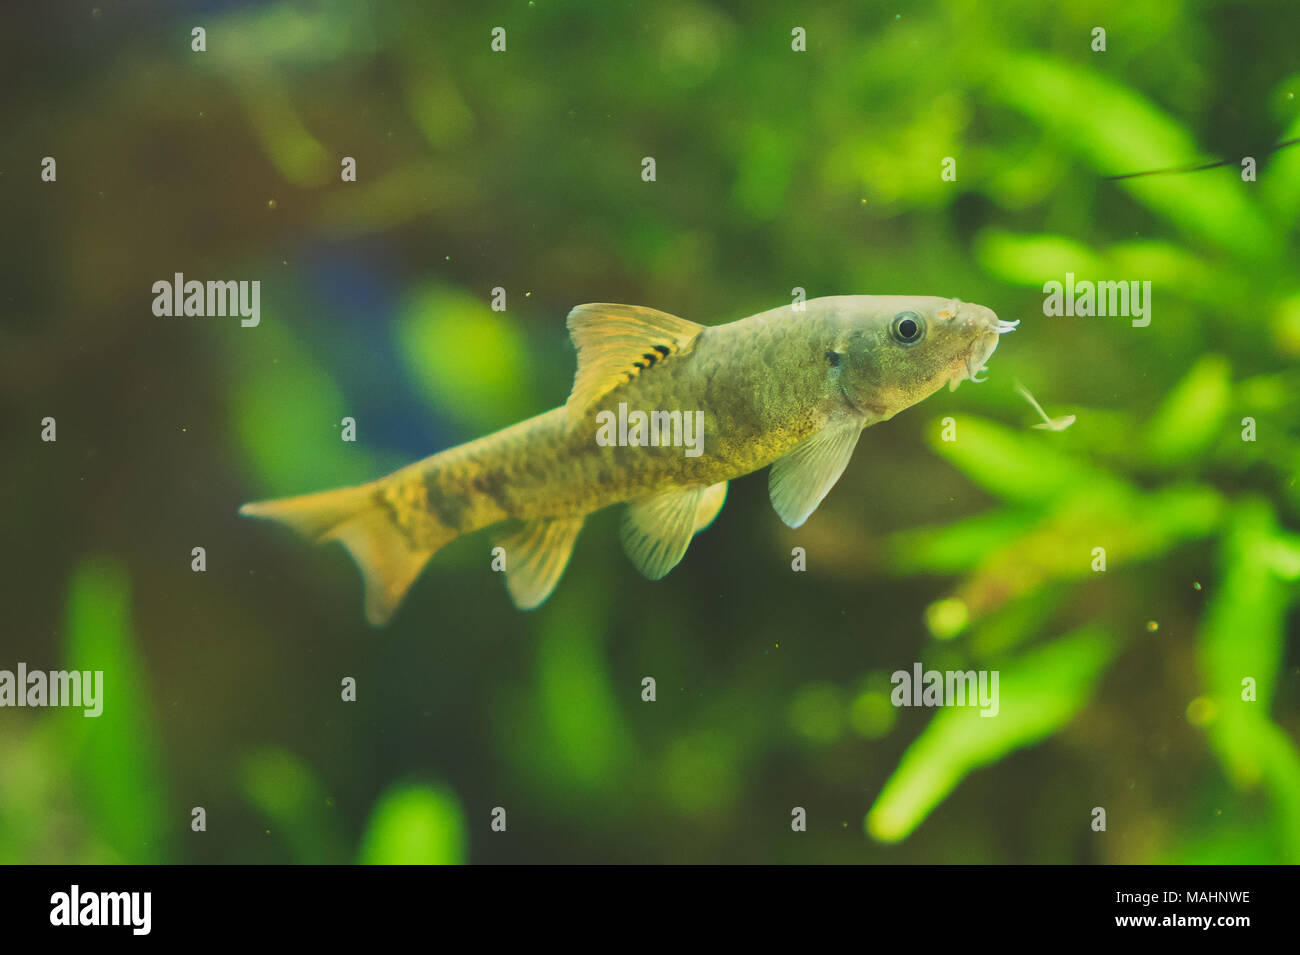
x,y
536,557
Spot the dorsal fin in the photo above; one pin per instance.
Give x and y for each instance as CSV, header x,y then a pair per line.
x,y
616,343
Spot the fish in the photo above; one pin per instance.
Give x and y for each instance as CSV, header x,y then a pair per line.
x,y
792,387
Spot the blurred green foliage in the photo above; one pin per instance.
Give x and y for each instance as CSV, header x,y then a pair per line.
x,y
1121,689
415,825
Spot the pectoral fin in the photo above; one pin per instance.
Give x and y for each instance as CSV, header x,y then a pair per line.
x,y
799,481
536,557
618,342
656,531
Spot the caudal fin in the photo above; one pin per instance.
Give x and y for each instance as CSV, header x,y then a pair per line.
x,y
388,557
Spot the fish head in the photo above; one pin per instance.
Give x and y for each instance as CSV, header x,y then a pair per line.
x,y
900,349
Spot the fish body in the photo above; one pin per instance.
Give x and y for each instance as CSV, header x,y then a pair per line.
x,y
791,387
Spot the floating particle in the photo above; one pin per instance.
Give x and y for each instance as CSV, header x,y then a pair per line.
x,y
1049,424
1196,585
271,204
1152,626
96,13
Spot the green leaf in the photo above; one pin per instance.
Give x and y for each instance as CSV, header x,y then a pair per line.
x,y
1039,693
469,361
1192,415
588,741
1130,525
1243,638
1118,132
958,546
288,793
1177,272
120,775
1279,174
1015,466
1033,259
287,414
415,825
1244,634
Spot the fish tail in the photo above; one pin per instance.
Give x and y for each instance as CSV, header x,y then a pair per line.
x,y
389,544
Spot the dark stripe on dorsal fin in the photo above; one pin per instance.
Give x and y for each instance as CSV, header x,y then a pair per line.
x,y
614,344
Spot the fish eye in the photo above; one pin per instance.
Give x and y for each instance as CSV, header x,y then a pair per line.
x,y
908,328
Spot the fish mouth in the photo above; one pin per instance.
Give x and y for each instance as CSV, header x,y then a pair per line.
x,y
981,348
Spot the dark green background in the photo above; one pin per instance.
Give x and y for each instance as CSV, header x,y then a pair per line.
x,y
521,170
